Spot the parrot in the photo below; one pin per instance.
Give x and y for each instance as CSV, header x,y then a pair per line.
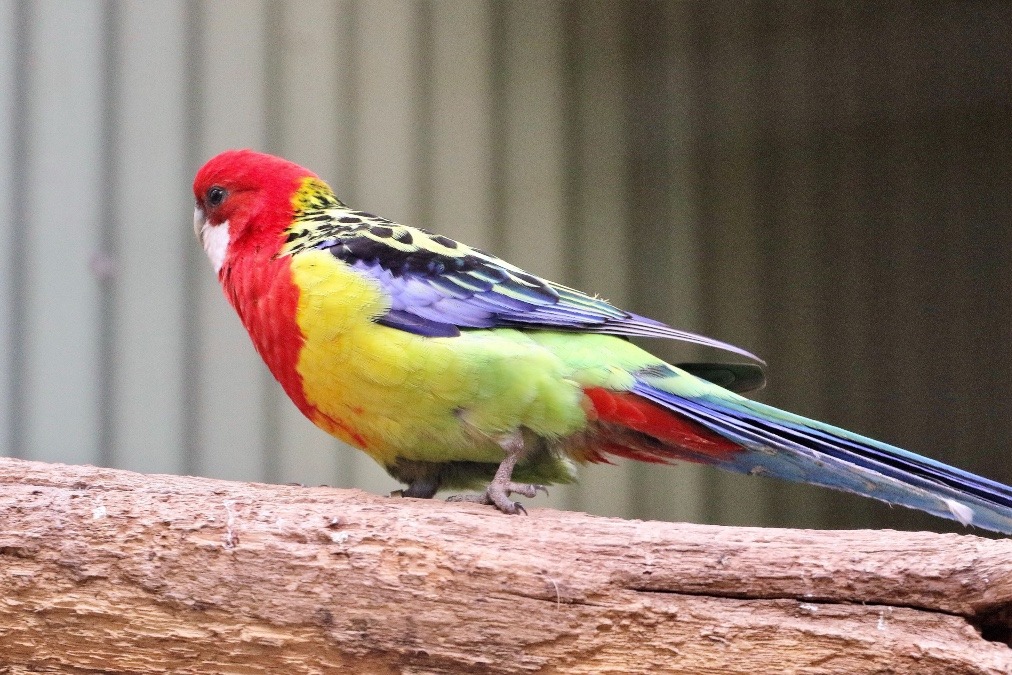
x,y
455,370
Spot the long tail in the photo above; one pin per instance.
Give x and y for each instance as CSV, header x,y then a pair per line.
x,y
716,427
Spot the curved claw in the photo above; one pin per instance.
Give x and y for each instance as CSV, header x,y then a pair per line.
x,y
526,489
492,497
519,508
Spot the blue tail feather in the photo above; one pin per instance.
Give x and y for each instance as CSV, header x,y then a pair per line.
x,y
794,448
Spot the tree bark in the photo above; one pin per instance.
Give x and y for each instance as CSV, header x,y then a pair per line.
x,y
110,571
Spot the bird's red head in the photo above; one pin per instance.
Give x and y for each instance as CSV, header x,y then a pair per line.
x,y
243,196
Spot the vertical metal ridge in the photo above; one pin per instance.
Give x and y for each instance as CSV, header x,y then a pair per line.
x,y
424,148
770,281
353,113
699,48
17,384
499,124
843,298
108,252
573,178
659,37
640,26
765,83
274,110
274,90
193,114
352,172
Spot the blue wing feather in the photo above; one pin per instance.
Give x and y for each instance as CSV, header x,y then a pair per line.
x,y
438,286
418,325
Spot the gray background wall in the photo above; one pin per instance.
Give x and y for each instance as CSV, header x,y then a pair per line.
x,y
826,184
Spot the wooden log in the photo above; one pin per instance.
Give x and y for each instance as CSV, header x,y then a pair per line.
x,y
110,571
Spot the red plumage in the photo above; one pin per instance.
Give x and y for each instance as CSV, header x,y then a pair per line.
x,y
662,436
256,280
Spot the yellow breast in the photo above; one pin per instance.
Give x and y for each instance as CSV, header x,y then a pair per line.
x,y
396,394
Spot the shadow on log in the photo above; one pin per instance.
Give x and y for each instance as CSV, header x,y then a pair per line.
x,y
111,571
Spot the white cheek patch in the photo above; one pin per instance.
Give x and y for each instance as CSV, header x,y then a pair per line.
x,y
215,240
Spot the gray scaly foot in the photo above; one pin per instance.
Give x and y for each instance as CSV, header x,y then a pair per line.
x,y
498,492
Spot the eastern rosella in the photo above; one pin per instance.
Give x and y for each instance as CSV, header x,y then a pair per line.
x,y
455,369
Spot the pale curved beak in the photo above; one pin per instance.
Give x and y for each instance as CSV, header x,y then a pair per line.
x,y
198,223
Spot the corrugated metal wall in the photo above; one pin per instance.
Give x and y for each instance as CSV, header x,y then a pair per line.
x,y
853,184
825,184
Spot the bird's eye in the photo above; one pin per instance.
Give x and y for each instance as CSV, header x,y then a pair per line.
x,y
215,196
